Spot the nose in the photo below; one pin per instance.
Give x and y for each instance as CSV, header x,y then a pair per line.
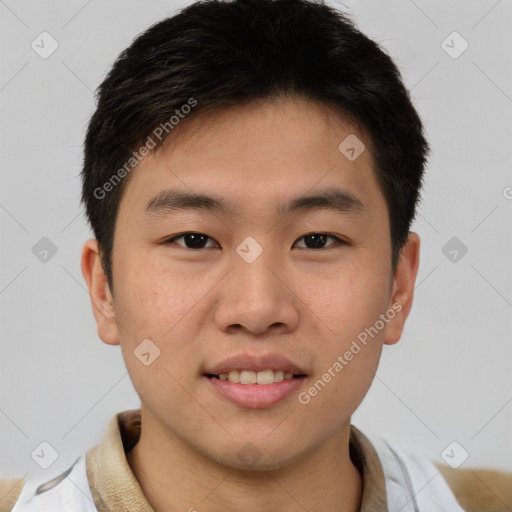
x,y
257,297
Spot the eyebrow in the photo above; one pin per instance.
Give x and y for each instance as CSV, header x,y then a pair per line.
x,y
169,201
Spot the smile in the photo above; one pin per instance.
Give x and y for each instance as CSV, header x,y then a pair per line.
x,y
263,377
250,393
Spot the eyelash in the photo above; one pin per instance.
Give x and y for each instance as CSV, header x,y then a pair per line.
x,y
338,241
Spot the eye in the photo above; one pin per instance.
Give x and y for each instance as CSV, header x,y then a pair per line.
x,y
196,241
317,240
191,240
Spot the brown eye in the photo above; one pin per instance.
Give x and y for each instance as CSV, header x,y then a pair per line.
x,y
317,240
191,240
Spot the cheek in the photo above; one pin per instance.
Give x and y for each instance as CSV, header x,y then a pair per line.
x,y
165,304
157,303
151,295
348,309
340,389
350,299
340,383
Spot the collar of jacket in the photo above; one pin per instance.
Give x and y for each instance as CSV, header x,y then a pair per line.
x,y
114,486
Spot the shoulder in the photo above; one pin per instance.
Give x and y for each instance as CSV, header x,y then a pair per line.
x,y
10,489
479,490
56,494
430,481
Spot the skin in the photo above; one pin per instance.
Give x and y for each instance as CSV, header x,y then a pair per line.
x,y
200,306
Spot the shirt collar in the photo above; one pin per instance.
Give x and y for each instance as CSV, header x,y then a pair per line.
x,y
114,486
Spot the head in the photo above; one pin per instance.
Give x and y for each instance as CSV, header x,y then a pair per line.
x,y
293,123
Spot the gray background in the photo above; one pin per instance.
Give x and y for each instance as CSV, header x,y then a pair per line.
x,y
449,377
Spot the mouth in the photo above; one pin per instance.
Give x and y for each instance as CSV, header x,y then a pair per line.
x,y
255,390
255,380
251,377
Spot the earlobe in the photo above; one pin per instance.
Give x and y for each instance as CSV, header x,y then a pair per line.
x,y
101,299
403,287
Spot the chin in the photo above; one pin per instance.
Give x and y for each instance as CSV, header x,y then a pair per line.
x,y
255,455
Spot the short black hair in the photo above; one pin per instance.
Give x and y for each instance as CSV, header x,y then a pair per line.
x,y
217,53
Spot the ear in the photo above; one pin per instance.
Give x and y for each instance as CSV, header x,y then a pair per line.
x,y
403,287
99,293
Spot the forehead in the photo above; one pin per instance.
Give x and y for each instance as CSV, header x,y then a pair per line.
x,y
258,153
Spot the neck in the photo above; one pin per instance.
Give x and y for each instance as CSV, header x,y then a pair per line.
x,y
175,476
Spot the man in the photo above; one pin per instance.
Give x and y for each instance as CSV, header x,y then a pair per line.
x,y
251,174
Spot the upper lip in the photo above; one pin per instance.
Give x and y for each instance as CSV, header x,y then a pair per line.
x,y
256,363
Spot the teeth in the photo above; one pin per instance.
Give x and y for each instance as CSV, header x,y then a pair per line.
x,y
233,376
267,377
250,377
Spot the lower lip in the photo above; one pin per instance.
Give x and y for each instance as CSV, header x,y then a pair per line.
x,y
256,396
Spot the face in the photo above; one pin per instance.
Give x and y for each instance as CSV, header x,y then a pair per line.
x,y
258,273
